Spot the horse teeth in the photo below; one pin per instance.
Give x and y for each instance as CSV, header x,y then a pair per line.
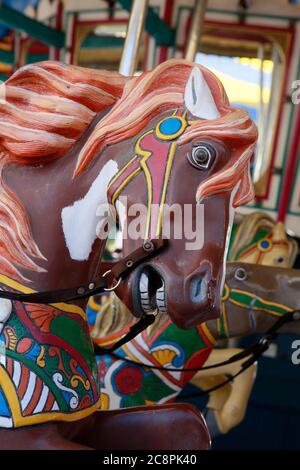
x,y
147,304
160,296
144,295
161,299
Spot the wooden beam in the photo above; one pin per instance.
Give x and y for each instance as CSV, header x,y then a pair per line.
x,y
32,58
23,24
94,42
7,57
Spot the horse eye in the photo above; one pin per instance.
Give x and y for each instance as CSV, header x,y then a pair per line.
x,y
280,259
203,156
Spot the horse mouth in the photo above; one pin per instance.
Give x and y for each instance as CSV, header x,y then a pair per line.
x,y
152,293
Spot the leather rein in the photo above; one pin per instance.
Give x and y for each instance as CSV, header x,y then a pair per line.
x,y
111,277
251,355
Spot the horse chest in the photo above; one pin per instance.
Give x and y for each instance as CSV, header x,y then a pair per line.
x,y
47,364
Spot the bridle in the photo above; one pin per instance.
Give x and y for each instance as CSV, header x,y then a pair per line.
x,y
109,281
118,273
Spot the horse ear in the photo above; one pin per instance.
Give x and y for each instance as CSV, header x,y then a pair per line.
x,y
278,232
198,98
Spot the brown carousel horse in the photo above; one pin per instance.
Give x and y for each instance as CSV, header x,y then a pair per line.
x,y
74,140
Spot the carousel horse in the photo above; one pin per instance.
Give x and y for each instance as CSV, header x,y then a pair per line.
x,y
73,141
254,297
257,238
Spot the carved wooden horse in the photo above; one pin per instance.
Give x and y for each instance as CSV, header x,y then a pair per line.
x,y
72,140
254,298
259,239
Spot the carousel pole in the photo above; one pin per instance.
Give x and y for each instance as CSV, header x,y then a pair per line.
x,y
196,29
59,25
133,37
289,174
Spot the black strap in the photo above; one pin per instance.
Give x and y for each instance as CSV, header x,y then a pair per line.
x,y
120,270
62,295
252,353
135,330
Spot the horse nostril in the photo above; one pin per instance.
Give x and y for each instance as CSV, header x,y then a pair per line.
x,y
198,288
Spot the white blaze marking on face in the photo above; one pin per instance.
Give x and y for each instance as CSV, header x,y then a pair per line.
x,y
79,221
121,209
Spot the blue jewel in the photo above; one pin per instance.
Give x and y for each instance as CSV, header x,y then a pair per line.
x,y
265,244
170,126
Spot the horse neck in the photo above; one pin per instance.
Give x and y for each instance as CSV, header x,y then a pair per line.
x,y
48,369
246,312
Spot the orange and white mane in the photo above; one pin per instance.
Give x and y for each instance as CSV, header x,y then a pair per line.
x,y
49,105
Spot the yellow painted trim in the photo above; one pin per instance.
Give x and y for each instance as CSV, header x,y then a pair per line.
x,y
11,394
69,308
208,333
227,292
15,285
261,248
19,420
66,417
114,179
260,299
107,342
269,311
93,305
40,359
225,320
177,134
125,182
149,195
139,150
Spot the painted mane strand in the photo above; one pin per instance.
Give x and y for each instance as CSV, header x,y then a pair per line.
x,y
47,108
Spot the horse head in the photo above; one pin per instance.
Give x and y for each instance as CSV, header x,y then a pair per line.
x,y
259,239
188,168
